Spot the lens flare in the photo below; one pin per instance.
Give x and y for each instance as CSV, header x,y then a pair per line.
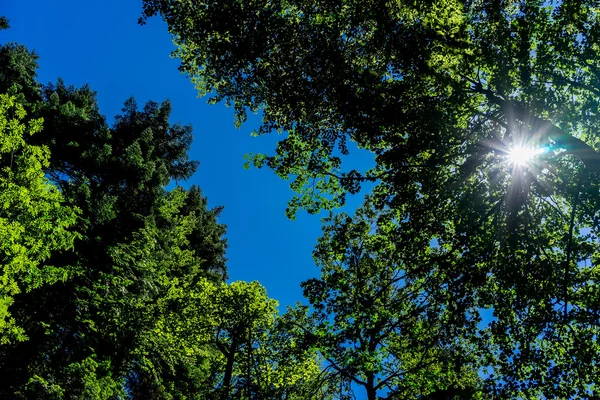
x,y
521,155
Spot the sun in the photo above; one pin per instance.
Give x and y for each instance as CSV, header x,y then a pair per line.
x,y
521,155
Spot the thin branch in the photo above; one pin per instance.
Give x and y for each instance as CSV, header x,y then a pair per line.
x,y
343,372
569,250
581,85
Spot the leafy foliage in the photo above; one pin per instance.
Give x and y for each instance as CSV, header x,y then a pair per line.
x,y
253,355
34,222
440,93
89,314
378,316
112,285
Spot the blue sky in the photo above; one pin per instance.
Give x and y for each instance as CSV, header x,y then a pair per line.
x,y
100,43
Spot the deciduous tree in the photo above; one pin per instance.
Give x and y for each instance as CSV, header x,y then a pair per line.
x,y
380,315
34,220
445,95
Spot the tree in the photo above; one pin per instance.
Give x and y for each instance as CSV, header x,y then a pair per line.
x,y
255,355
90,332
34,221
442,94
375,317
138,308
234,341
286,368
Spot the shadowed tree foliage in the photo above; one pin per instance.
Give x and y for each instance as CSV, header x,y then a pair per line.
x,y
441,93
378,317
113,286
4,23
91,328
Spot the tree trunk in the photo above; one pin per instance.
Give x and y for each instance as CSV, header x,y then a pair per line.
x,y
371,392
229,368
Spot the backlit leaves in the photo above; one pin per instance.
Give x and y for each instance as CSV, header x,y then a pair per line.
x,y
34,221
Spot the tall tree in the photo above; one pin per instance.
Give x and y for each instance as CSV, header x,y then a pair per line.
x,y
446,96
91,331
138,307
375,317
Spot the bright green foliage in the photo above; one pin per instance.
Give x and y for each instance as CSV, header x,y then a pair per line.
x,y
284,369
34,221
439,92
235,334
240,312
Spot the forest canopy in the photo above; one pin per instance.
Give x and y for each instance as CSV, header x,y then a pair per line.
x,y
482,119
112,284
470,271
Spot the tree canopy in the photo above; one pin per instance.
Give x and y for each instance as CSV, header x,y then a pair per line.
x,y
378,317
109,278
470,271
482,120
